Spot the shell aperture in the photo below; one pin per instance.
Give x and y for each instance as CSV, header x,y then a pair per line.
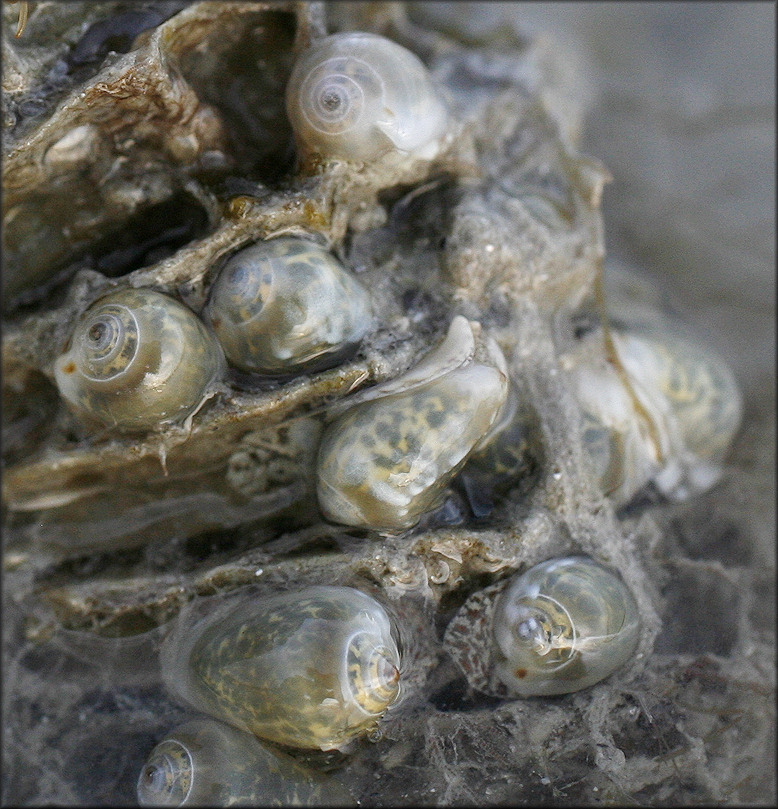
x,y
387,460
287,305
138,359
355,96
563,625
309,669
207,763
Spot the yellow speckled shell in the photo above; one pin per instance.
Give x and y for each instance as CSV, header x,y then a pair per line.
x,y
356,96
699,387
287,305
138,359
208,763
388,460
672,425
311,669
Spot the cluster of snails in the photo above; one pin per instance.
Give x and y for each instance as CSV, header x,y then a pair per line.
x,y
312,669
278,307
318,668
139,359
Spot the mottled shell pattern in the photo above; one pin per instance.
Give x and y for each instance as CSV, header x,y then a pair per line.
x,y
287,305
388,460
138,359
356,96
703,398
669,418
207,763
511,453
560,626
308,669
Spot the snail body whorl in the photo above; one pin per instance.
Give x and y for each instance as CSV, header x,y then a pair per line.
x,y
308,669
388,459
138,359
356,96
207,763
286,305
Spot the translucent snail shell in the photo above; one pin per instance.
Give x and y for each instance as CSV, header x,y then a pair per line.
x,y
287,305
563,625
560,626
309,669
355,96
703,399
388,460
138,359
208,763
672,424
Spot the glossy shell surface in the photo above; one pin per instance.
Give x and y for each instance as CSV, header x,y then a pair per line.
x,y
138,359
207,763
668,419
387,461
563,625
356,96
287,305
308,669
699,388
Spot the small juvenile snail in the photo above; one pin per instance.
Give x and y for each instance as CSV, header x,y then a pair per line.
x,y
309,669
138,359
356,96
669,419
560,626
208,763
388,459
287,305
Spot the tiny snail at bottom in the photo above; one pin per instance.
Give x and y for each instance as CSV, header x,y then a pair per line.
x,y
560,626
138,359
287,305
308,669
208,763
389,458
356,96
